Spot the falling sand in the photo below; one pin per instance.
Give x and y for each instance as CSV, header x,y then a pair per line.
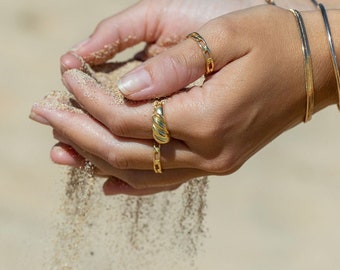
x,y
161,231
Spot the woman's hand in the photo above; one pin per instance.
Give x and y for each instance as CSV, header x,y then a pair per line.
x,y
256,93
161,24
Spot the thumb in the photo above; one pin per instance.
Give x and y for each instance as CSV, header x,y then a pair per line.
x,y
112,35
181,65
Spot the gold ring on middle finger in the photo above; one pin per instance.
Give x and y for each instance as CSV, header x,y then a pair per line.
x,y
159,128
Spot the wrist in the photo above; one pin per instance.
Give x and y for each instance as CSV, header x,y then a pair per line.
x,y
304,5
325,86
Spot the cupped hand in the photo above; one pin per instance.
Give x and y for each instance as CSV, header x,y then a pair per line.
x,y
256,93
160,24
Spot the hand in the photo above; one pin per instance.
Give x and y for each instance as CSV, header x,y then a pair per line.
x,y
256,94
161,24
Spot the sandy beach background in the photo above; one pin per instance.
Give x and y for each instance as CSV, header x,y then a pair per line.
x,y
281,210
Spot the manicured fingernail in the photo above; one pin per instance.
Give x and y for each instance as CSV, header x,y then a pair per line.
x,y
134,82
80,44
71,60
38,118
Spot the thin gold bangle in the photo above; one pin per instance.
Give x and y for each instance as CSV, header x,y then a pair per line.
x,y
307,65
272,2
331,46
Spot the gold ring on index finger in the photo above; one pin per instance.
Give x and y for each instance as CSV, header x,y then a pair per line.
x,y
209,61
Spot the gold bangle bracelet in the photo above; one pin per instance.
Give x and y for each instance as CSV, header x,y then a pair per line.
x,y
331,46
308,68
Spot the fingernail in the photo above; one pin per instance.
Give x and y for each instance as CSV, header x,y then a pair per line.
x,y
80,44
38,118
134,82
71,60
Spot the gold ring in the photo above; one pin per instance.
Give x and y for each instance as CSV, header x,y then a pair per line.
x,y
159,130
209,61
157,166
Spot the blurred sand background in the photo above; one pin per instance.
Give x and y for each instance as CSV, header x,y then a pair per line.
x,y
281,210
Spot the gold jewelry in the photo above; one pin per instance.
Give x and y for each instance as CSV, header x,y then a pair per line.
x,y
209,61
159,129
160,134
157,166
331,46
307,65
271,2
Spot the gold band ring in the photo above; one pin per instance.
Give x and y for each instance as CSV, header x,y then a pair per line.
x,y
159,130
157,166
160,134
209,61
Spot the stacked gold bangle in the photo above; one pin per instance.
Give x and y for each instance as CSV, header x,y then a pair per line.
x,y
307,56
307,66
272,2
209,61
332,50
160,134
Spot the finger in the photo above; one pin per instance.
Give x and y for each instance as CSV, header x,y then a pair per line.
x,y
126,120
129,120
115,186
184,63
113,35
142,179
93,137
64,154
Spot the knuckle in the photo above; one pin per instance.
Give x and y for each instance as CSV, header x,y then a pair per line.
x,y
225,26
209,130
116,160
180,67
103,24
119,126
225,164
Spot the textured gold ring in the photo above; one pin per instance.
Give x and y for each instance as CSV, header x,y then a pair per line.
x,y
160,133
209,61
159,129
